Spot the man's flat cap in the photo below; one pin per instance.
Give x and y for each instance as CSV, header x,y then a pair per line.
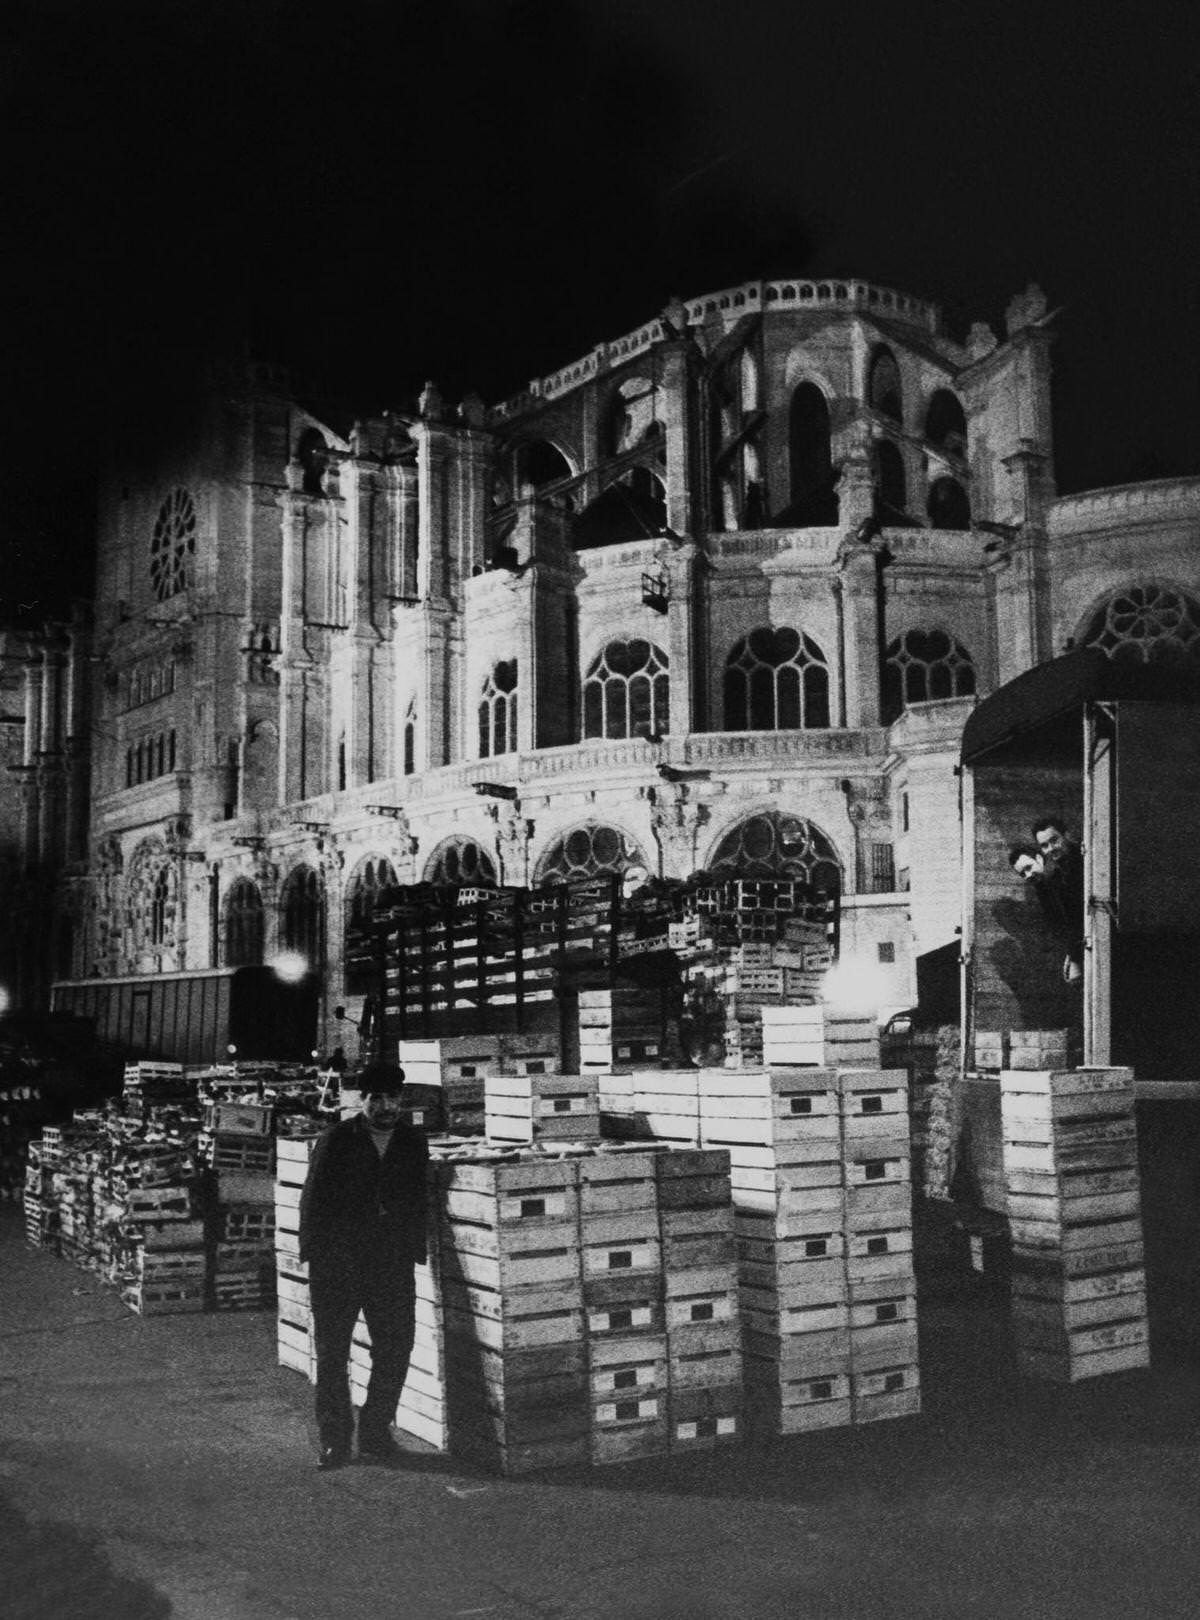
x,y
380,1079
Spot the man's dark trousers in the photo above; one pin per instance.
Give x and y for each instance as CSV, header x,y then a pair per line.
x,y
382,1287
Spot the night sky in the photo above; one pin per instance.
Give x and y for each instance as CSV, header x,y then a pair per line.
x,y
375,192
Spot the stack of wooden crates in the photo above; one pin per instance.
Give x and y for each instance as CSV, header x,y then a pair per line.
x,y
590,1307
822,1199
1072,1185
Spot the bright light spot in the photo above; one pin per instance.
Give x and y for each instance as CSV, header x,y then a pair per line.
x,y
856,986
5,1000
289,966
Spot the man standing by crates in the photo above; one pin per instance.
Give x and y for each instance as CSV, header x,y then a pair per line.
x,y
362,1231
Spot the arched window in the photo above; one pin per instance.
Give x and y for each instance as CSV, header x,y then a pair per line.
x,y
313,455
410,737
949,507
776,679
627,692
173,545
462,860
373,879
302,908
586,852
776,844
498,711
814,502
243,925
160,899
923,665
945,424
1147,624
634,508
891,488
885,395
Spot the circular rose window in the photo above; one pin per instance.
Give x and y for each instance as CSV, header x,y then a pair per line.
x,y
173,545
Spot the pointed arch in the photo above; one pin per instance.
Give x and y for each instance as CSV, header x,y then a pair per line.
x,y
813,498
244,921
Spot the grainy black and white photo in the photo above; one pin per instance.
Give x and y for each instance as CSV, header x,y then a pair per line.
x,y
599,807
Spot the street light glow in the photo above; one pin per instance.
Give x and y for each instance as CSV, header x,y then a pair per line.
x,y
289,966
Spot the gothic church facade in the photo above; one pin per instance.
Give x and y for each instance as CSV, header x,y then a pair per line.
x,y
718,595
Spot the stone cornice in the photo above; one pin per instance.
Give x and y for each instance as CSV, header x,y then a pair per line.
x,y
1165,500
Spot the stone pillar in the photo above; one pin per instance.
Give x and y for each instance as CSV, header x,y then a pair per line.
x,y
860,630
675,412
33,708
681,563
548,672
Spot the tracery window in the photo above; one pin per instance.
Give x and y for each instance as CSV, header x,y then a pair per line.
x,y
160,899
173,545
243,924
1147,624
627,691
921,666
776,679
498,711
461,860
302,908
373,879
777,844
586,852
151,898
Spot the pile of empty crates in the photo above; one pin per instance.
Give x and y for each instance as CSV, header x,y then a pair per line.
x,y
1073,1195
169,1197
590,1306
576,1309
239,1147
822,1202
820,1170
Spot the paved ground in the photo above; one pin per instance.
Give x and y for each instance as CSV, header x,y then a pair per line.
x,y
164,1467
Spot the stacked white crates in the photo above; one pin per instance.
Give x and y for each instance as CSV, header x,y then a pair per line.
x,y
620,1028
591,1306
522,1108
508,1235
295,1339
825,1036
881,1283
822,1208
781,1130
1074,1207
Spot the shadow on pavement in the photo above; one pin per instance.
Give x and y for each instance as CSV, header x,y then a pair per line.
x,y
53,1572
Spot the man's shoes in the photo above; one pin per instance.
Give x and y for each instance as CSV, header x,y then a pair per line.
x,y
382,1450
331,1457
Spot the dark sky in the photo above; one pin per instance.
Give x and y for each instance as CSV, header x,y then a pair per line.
x,y
478,191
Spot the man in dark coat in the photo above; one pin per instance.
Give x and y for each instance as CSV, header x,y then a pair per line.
x,y
1062,859
362,1231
